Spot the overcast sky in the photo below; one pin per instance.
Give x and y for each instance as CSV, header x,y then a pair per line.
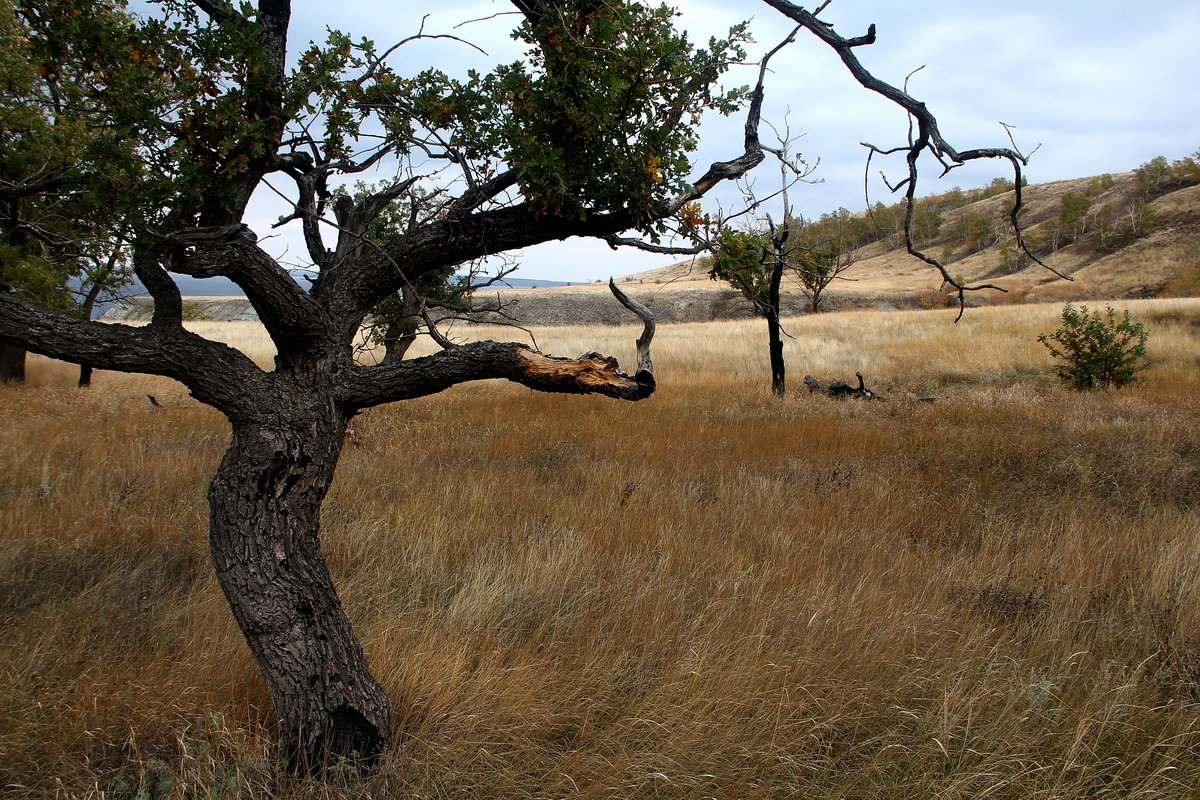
x,y
1101,86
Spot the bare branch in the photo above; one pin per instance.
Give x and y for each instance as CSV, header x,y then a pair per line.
x,y
752,157
643,342
928,137
615,241
420,34
434,333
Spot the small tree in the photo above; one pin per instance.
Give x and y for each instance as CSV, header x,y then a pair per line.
x,y
753,263
1098,350
1072,218
825,251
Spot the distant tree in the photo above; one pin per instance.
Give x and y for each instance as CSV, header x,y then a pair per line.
x,y
398,318
955,198
1159,176
1118,223
1153,177
977,231
754,263
926,221
105,275
822,255
1099,185
888,222
1072,218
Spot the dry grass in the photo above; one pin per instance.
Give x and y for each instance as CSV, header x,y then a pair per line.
x,y
708,594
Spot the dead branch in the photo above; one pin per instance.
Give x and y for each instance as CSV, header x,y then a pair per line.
x,y
840,390
928,139
643,342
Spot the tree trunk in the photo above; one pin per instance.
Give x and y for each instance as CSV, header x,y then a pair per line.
x,y
12,362
400,332
265,502
778,381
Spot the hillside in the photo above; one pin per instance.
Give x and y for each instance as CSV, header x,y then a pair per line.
x,y
1121,248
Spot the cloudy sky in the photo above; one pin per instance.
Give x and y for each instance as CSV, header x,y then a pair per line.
x,y
1101,86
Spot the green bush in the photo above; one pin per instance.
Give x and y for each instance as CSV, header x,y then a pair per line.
x,y
194,312
1098,350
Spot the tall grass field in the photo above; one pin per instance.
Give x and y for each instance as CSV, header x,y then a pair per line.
x,y
713,593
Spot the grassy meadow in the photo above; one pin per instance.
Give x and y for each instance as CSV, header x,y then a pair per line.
x,y
709,594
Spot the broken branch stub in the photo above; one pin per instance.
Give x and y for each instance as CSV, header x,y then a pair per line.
x,y
594,373
591,373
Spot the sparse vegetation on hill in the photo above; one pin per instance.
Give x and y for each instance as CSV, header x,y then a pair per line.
x,y
711,594
1135,234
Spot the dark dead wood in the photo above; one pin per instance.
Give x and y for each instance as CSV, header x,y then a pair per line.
x,y
839,390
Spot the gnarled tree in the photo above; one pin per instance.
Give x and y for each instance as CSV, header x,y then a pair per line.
x,y
589,136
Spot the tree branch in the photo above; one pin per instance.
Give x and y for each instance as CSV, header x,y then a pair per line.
x,y
615,241
219,11
753,155
371,386
929,138
465,233
290,315
216,373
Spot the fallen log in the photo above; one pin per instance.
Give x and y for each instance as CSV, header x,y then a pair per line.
x,y
839,390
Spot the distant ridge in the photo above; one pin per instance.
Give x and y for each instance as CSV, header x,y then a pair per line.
x,y
524,283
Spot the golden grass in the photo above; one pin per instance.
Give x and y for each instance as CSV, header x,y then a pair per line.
x,y
708,594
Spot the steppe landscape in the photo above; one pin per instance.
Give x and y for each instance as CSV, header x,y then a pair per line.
x,y
710,593
370,530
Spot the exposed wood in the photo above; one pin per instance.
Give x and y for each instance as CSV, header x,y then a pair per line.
x,y
589,374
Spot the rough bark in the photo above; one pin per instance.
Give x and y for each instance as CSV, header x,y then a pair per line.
x,y
400,333
265,502
778,379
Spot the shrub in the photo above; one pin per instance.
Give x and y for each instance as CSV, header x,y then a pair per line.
x,y
1098,350
194,312
1186,282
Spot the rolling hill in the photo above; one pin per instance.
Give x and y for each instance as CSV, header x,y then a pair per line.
x,y
1128,242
